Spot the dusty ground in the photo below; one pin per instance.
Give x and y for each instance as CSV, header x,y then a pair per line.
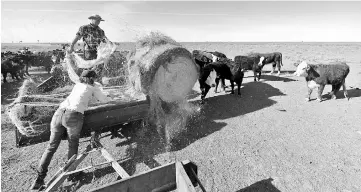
x,y
269,139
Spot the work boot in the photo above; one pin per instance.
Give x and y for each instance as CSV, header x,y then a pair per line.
x,y
38,183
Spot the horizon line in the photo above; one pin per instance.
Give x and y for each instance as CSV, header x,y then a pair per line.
x,y
200,42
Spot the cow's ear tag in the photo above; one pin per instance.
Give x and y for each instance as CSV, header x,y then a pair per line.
x,y
308,68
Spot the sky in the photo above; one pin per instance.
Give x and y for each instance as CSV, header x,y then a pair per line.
x,y
185,21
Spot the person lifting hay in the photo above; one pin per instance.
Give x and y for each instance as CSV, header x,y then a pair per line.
x,y
92,36
69,118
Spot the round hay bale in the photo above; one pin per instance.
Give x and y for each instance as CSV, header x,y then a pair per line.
x,y
168,68
165,71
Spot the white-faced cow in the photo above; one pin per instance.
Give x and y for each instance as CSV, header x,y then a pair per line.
x,y
267,58
319,75
250,63
220,71
202,58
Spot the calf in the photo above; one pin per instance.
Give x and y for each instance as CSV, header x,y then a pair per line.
x,y
266,58
250,63
319,75
224,70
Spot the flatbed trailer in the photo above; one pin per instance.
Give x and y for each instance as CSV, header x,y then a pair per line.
x,y
100,119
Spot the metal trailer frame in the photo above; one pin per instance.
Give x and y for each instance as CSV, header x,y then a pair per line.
x,y
177,175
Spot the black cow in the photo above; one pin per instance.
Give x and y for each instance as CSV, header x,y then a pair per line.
x,y
224,70
27,60
218,56
12,66
250,63
266,58
201,58
59,55
319,75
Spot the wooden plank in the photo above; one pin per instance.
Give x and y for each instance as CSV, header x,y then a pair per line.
x,y
61,170
121,172
166,188
58,181
148,180
184,184
198,181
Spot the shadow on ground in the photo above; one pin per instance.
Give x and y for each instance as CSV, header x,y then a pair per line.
x,y
9,91
276,78
86,178
255,96
352,93
261,186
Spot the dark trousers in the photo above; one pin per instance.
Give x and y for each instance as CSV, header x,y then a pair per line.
x,y
63,120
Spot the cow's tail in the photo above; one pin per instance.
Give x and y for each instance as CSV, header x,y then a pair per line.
x,y
281,59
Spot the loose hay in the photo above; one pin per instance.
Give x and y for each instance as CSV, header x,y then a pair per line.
x,y
113,81
32,113
165,71
114,66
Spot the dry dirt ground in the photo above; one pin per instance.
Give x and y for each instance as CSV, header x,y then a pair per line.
x,y
270,139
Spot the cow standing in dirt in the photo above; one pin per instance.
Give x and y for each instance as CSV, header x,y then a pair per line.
x,y
267,58
250,63
220,70
319,75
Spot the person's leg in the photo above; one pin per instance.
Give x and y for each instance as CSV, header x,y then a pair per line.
x,y
55,138
73,122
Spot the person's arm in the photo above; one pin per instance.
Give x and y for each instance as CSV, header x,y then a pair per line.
x,y
76,39
78,36
100,96
105,38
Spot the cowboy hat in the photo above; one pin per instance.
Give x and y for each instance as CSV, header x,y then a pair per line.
x,y
97,17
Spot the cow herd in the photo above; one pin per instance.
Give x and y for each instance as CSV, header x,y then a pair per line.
x,y
215,67
18,63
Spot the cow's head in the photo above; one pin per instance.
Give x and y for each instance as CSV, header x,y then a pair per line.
x,y
260,63
214,58
211,79
302,69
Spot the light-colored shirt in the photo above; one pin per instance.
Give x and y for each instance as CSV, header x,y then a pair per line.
x,y
81,95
